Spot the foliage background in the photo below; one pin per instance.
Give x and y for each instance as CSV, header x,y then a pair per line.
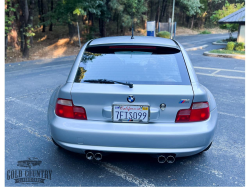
x,y
25,19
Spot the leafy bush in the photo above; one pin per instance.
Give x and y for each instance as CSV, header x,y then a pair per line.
x,y
205,32
231,39
163,34
230,46
239,46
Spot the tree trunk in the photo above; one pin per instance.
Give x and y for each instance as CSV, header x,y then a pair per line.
x,y
24,23
31,17
91,19
51,8
26,18
162,10
192,23
6,33
6,45
100,27
117,24
72,30
22,39
104,28
158,16
39,3
43,12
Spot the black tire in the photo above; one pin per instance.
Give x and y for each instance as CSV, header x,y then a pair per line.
x,y
55,143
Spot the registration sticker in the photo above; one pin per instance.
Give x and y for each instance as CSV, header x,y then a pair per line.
x,y
144,108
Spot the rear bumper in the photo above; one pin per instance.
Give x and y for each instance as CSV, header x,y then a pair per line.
x,y
182,139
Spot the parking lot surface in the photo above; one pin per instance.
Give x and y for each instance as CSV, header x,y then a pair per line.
x,y
29,85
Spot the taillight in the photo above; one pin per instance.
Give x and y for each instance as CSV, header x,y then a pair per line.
x,y
66,109
197,112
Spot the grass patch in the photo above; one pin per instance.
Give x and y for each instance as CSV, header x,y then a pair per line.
x,y
163,34
223,51
205,32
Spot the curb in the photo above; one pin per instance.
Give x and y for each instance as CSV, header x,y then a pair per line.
x,y
196,48
215,43
242,57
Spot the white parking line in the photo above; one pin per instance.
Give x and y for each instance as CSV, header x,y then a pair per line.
x,y
215,72
196,67
125,175
39,68
26,128
26,104
109,167
223,113
224,76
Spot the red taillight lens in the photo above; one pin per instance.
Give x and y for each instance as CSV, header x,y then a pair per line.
x,y
197,112
66,109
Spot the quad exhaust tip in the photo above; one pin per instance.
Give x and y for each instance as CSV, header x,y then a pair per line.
x,y
169,159
90,156
98,156
161,159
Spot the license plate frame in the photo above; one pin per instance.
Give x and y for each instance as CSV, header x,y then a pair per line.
x,y
134,121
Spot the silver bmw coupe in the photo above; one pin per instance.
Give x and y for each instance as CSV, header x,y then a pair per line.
x,y
133,95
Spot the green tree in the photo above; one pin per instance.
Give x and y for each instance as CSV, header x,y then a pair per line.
x,y
68,12
192,8
129,11
225,11
9,19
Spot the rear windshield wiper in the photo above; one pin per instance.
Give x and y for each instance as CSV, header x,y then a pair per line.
x,y
108,82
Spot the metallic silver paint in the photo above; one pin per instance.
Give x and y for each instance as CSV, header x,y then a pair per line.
x,y
160,135
138,40
182,139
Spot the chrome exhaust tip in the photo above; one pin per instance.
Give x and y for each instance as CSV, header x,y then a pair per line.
x,y
161,159
170,159
89,155
98,156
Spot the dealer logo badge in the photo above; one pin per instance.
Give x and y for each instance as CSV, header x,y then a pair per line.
x,y
29,176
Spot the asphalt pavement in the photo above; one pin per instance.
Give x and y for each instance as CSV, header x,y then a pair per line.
x,y
29,85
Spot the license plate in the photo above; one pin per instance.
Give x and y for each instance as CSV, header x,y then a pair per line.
x,y
130,113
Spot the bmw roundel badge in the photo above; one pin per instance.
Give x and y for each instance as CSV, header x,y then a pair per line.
x,y
130,99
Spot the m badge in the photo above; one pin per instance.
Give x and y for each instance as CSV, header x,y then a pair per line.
x,y
184,101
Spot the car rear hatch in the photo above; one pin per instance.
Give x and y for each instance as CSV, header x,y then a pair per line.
x,y
158,74
97,99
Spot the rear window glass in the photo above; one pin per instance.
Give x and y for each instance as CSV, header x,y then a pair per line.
x,y
134,64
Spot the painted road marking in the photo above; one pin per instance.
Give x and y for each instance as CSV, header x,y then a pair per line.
x,y
196,67
31,70
229,77
27,104
217,70
125,175
223,113
26,128
109,167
